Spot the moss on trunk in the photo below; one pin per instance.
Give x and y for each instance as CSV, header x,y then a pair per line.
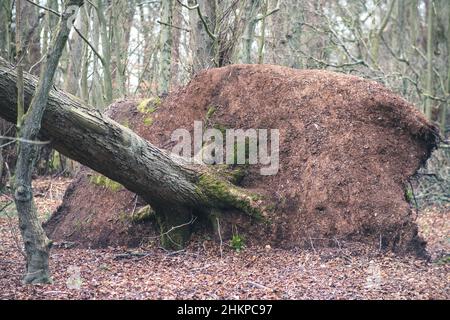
x,y
225,195
175,227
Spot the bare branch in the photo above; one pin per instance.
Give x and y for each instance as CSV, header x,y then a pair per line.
x,y
172,26
102,60
202,18
270,12
44,8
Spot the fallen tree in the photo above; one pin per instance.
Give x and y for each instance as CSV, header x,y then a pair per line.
x,y
347,149
172,187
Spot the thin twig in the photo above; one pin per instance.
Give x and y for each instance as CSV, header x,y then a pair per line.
x,y
200,15
13,66
172,26
193,219
188,7
37,63
312,244
259,286
277,8
44,8
15,139
90,46
220,237
414,196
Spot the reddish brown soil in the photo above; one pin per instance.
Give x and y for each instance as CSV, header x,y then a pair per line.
x,y
348,147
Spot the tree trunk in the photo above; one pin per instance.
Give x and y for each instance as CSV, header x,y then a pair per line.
x,y
85,135
445,106
430,53
84,90
376,36
75,54
106,53
165,46
5,28
121,19
30,35
202,45
19,54
98,92
177,19
262,37
249,33
37,245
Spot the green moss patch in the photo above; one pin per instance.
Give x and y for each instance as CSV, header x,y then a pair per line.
x,y
148,121
149,105
101,180
224,194
143,214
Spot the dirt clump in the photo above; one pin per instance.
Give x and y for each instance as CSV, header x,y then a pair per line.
x,y
347,149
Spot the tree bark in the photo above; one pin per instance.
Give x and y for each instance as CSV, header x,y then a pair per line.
x,y
376,36
30,34
177,19
5,28
445,106
165,46
76,47
249,33
262,37
106,53
202,45
430,53
37,246
165,182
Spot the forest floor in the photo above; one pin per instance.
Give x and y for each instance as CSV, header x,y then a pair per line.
x,y
206,270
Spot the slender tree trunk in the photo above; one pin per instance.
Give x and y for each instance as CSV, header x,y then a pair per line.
x,y
376,36
249,33
202,45
295,40
31,36
262,37
165,46
414,23
5,28
147,53
1,167
19,53
98,93
446,106
118,8
85,59
430,53
76,46
401,16
106,53
175,57
37,246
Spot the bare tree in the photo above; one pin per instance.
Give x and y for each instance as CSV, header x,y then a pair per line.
x,y
37,245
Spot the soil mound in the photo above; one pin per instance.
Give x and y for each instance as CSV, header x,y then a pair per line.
x,y
347,149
